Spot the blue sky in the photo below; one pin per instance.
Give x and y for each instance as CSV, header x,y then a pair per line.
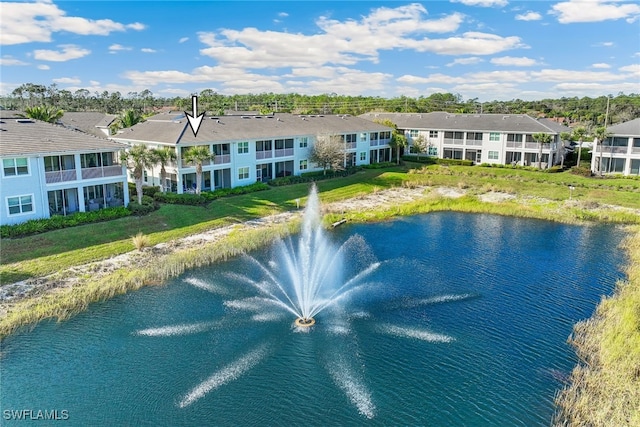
x,y
485,49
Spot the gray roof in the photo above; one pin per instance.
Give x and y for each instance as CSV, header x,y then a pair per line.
x,y
517,123
89,121
630,128
172,130
25,137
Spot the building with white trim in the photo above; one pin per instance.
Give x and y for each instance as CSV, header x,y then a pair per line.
x,y
481,138
251,148
620,152
51,170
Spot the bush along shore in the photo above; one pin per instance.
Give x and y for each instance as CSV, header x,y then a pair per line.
x,y
604,388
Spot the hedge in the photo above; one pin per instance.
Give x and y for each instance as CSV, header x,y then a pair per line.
x,y
56,222
207,196
435,160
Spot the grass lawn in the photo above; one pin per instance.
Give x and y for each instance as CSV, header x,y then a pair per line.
x,y
49,252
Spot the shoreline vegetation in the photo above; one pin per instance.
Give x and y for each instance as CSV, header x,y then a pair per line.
x,y
40,282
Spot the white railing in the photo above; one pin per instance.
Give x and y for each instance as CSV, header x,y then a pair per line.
x,y
474,142
60,176
514,144
222,158
100,172
532,145
284,152
373,143
350,145
264,154
453,141
615,149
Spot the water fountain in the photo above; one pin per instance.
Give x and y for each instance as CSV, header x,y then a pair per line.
x,y
309,275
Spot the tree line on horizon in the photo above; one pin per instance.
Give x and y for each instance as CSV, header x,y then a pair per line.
x,y
586,111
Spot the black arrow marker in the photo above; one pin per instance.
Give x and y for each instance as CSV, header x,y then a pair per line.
x,y
195,120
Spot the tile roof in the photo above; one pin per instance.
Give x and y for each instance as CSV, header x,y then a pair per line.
x,y
630,128
24,137
89,121
517,123
236,128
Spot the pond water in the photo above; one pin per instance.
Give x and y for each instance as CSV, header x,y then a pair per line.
x,y
465,323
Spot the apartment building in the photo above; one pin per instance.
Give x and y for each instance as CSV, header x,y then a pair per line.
x,y
620,152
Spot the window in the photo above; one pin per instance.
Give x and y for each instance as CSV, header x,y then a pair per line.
x,y
304,142
243,173
20,204
282,144
514,137
58,163
363,136
13,167
433,134
413,133
373,136
453,135
263,145
350,137
243,147
474,136
432,151
385,135
363,156
494,136
493,155
303,164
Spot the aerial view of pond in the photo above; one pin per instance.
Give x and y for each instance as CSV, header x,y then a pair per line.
x,y
438,319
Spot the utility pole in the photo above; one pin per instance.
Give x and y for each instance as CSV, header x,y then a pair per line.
x,y
606,120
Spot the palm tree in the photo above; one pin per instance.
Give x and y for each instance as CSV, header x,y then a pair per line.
x,y
398,140
138,158
126,119
197,155
600,135
542,138
44,113
579,134
163,156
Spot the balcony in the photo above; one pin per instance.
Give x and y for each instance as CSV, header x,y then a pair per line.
x,y
264,155
350,145
451,141
186,164
614,149
101,172
373,143
60,176
284,152
474,142
514,144
532,145
222,159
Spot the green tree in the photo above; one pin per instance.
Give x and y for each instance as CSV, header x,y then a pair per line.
x,y
542,138
163,156
579,134
398,140
138,158
126,119
44,113
196,156
564,137
600,134
328,152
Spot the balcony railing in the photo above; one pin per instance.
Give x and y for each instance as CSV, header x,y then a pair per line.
x,y
451,141
635,149
373,143
474,142
284,152
60,176
532,145
514,144
221,159
186,164
264,154
350,145
615,149
101,172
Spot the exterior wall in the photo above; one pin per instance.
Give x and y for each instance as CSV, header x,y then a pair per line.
x,y
39,183
238,160
617,159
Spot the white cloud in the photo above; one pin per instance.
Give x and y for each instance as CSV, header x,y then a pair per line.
x,y
283,14
633,69
529,16
594,11
43,67
69,51
600,65
522,61
68,80
148,50
482,3
465,61
560,75
118,48
604,44
8,60
36,22
183,39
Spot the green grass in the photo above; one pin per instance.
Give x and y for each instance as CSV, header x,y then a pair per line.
x,y
46,253
605,386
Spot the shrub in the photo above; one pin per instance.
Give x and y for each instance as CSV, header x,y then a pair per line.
x,y
434,160
312,176
180,199
140,241
148,205
553,169
582,171
56,222
149,191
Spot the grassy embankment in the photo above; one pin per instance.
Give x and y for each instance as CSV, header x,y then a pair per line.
x,y
40,255
605,386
